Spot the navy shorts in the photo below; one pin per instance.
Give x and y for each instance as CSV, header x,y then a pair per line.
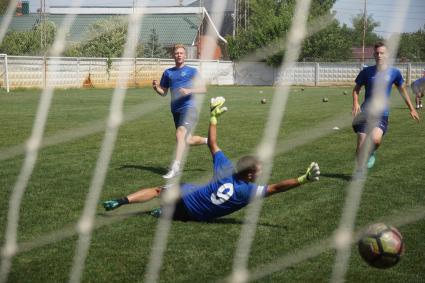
x,y
360,123
186,117
180,210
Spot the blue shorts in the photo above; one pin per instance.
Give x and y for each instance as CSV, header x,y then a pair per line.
x,y
186,117
360,123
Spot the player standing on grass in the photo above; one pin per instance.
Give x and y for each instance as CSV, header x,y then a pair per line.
x,y
370,77
183,81
418,88
228,191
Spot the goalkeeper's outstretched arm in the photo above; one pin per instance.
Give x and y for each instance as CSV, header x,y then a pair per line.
x,y
311,175
216,109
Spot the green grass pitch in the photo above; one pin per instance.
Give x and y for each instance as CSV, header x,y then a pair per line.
x,y
203,252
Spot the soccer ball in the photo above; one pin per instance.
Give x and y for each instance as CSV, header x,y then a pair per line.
x,y
381,246
345,92
263,101
325,99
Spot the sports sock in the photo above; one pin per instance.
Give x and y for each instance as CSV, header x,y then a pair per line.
x,y
122,201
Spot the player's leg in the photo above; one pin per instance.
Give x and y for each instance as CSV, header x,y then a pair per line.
x,y
418,100
190,121
142,195
181,133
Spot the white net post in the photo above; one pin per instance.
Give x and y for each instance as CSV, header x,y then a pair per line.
x,y
266,148
344,233
5,72
86,222
170,197
32,148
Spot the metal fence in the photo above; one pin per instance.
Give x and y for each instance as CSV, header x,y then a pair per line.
x,y
66,72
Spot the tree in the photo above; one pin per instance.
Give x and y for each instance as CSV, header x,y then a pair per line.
x,y
152,49
3,6
329,44
412,46
106,38
269,22
29,42
357,33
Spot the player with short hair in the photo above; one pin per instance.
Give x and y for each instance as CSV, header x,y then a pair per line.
x,y
418,88
182,81
228,191
370,77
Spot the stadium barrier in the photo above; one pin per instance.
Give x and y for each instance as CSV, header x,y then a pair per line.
x,y
36,72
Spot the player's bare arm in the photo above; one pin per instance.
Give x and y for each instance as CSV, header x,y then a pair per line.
x,y
406,98
311,175
356,106
160,90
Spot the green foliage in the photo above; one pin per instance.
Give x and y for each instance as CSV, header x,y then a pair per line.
x,y
152,49
269,20
107,39
329,44
37,41
357,32
412,46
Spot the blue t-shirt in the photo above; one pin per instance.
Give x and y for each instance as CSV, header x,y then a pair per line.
x,y
176,78
223,195
367,77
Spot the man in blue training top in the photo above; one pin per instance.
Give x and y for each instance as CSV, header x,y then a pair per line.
x,y
228,191
418,88
183,81
375,78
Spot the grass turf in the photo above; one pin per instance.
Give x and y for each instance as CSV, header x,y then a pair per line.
x,y
203,252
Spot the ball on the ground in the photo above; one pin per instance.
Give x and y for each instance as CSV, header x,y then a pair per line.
x,y
325,99
345,92
263,101
302,89
381,245
260,91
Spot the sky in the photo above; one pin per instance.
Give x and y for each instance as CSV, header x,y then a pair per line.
x,y
381,10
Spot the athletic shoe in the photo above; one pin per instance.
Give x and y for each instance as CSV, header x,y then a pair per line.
x,y
371,160
110,205
417,106
420,106
156,212
174,172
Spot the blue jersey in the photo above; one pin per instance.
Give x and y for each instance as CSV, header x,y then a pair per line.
x,y
367,77
223,195
176,78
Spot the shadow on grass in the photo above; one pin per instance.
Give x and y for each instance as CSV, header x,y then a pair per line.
x,y
220,221
344,177
240,222
155,170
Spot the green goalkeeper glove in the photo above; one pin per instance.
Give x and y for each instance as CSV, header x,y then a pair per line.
x,y
311,175
216,108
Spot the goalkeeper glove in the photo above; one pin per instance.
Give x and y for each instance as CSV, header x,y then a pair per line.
x,y
311,175
216,108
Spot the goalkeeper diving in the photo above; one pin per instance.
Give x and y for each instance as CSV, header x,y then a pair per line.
x,y
230,189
